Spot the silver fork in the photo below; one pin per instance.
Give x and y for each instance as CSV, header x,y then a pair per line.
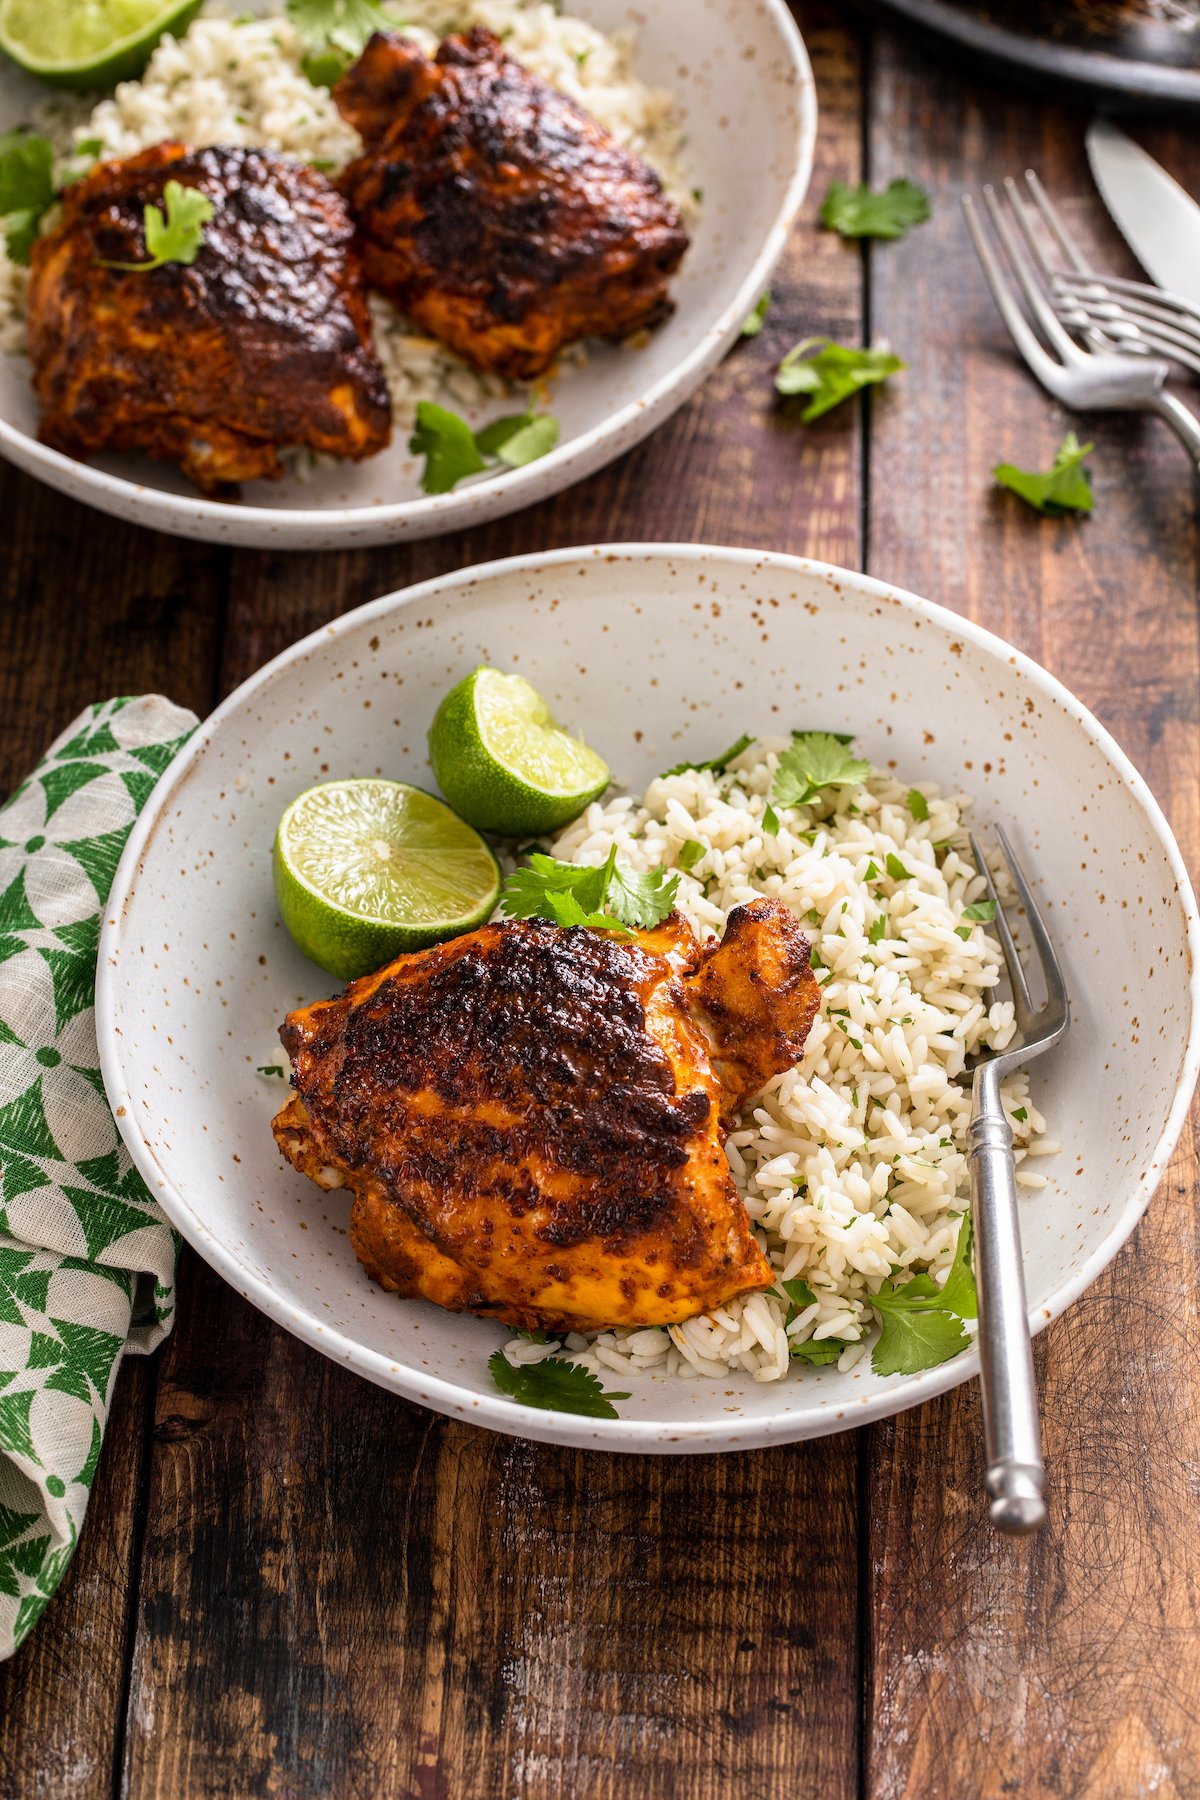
x,y
1098,379
1016,1476
1131,315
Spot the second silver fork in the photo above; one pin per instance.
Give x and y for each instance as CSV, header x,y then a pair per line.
x,y
1098,378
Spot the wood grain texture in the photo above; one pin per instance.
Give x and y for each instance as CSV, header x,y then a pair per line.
x,y
343,1595
89,608
1068,1666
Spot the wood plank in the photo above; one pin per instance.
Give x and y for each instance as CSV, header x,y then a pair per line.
x,y
1068,1666
344,1595
89,608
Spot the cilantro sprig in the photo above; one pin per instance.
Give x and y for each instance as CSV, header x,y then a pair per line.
x,y
1064,488
716,764
26,189
609,898
855,212
452,451
831,373
922,1322
173,237
333,33
814,761
555,1385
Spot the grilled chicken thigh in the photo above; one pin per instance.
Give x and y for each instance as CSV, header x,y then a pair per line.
x,y
263,341
496,211
530,1119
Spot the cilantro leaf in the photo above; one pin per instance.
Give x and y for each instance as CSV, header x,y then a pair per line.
x,y
922,1323
1020,1113
555,1385
754,322
798,1295
448,445
452,451
173,237
717,764
855,212
519,439
609,898
877,929
270,1069
896,868
640,898
770,822
26,189
1066,487
958,1290
346,24
818,1351
831,373
983,911
815,760
690,854
917,804
914,1340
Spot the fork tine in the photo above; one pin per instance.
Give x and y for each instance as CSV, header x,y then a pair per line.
x,y
1043,366
1027,279
1172,325
1022,1000
1057,1009
1131,333
1024,217
1055,225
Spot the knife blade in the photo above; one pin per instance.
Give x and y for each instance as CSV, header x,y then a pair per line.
x,y
1158,220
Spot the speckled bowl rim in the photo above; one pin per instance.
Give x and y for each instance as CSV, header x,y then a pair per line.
x,y
498,1413
308,527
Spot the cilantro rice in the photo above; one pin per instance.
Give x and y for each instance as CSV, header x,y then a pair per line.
x,y
239,81
853,1164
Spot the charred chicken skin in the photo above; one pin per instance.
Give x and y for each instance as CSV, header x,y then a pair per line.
x,y
532,1120
495,211
263,341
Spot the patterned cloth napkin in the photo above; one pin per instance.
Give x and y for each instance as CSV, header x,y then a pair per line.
x,y
87,1260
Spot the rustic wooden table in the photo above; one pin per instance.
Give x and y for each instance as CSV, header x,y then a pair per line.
x,y
294,1584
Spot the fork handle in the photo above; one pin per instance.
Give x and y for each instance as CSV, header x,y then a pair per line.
x,y
1181,419
1016,1476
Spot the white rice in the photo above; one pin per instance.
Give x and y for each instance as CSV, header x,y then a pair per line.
x,y
854,1161
230,81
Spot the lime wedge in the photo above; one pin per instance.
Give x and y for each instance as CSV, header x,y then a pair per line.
x,y
367,869
88,43
504,764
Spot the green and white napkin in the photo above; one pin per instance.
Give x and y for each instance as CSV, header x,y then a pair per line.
x,y
87,1259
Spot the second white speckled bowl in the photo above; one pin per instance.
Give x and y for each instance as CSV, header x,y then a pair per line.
x,y
750,113
654,653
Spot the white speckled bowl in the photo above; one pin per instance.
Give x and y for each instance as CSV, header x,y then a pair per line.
x,y
653,652
751,121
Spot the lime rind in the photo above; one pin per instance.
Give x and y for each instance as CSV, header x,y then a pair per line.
x,y
504,764
88,43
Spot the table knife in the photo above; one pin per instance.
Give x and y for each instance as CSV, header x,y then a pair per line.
x,y
1158,220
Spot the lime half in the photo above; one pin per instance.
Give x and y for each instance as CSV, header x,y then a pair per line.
x,y
88,43
504,764
367,869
